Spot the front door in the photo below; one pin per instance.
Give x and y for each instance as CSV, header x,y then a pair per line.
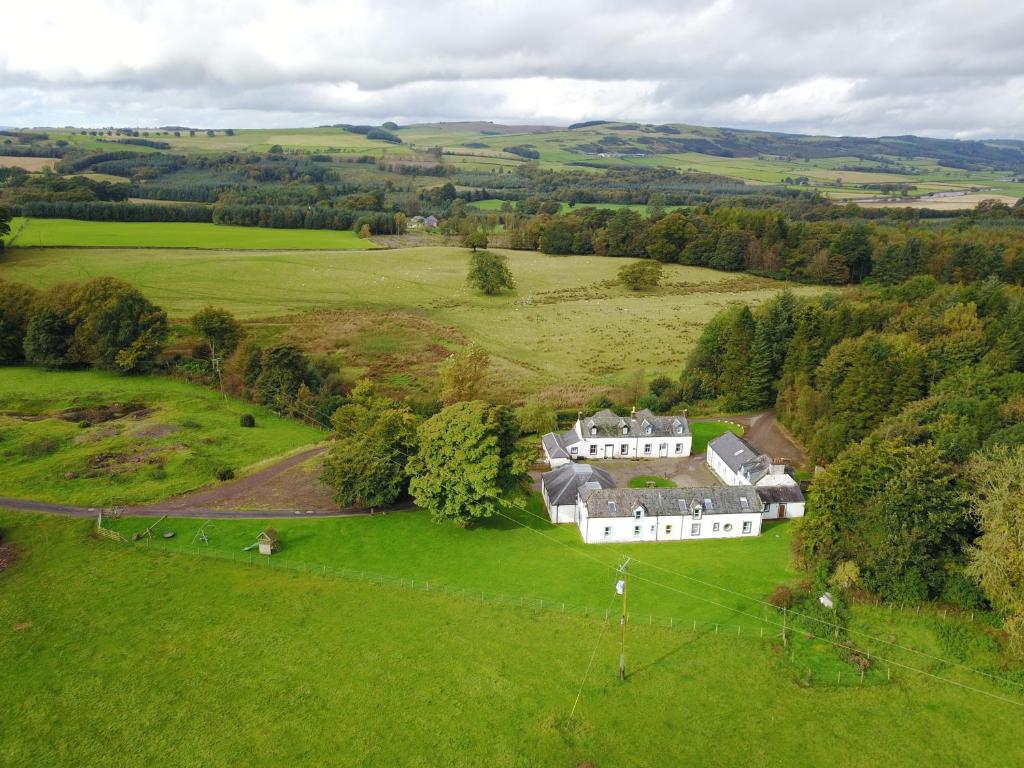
x,y
609,451
663,450
782,510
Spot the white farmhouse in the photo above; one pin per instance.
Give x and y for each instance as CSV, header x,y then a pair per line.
x,y
667,514
737,463
605,435
561,488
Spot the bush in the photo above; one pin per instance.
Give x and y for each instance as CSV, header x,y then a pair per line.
x,y
247,420
225,473
781,597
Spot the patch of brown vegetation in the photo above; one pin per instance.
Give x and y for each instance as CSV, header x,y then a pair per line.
x,y
110,463
98,414
8,554
383,346
156,431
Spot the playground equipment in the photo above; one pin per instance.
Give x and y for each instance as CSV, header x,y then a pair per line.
x,y
201,534
148,533
266,542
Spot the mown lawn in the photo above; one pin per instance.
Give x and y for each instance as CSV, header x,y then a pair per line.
x,y
641,481
178,441
49,233
705,431
115,655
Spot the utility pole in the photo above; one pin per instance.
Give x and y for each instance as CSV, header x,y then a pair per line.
x,y
620,587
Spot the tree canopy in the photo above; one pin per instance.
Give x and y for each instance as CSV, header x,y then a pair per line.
x,y
489,272
466,461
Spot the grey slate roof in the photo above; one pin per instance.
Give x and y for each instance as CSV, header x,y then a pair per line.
x,y
727,500
780,494
562,485
609,424
557,445
741,457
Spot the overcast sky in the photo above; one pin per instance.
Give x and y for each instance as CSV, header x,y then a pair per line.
x,y
938,68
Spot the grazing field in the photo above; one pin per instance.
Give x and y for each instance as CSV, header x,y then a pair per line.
x,y
569,324
952,203
49,233
93,438
371,675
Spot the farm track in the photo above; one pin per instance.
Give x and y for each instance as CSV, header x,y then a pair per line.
x,y
207,503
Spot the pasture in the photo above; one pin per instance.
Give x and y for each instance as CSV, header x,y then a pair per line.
x,y
53,233
568,327
93,438
380,675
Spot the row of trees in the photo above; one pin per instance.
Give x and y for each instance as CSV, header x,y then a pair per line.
x,y
766,242
104,323
914,397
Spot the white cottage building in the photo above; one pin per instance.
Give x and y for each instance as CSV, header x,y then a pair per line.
x,y
667,514
737,463
605,435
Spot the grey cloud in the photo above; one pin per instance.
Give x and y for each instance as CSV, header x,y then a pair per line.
x,y
941,67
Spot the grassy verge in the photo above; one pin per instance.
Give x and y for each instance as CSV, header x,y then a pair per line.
x,y
62,438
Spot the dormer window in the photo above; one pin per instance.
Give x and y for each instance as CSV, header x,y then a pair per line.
x,y
625,430
593,429
638,512
648,429
679,429
696,511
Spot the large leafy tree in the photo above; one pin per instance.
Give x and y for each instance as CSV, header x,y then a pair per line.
x,y
489,272
466,461
464,375
641,275
282,371
116,326
374,438
219,329
997,558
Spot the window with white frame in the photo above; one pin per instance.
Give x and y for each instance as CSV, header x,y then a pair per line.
x,y
696,513
636,530
574,450
593,450
652,530
607,531
695,529
624,449
647,449
638,512
668,530
679,447
746,526
714,527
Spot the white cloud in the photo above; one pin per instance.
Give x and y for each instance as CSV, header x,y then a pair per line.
x,y
940,67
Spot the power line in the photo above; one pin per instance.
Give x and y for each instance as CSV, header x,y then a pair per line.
x,y
834,643
593,655
825,622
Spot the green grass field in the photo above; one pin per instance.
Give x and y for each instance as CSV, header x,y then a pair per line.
x,y
644,481
49,233
184,435
705,431
133,655
420,294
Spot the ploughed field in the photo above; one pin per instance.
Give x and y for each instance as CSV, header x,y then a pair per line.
x,y
135,653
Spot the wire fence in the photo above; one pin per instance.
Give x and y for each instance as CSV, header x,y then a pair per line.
x,y
278,563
